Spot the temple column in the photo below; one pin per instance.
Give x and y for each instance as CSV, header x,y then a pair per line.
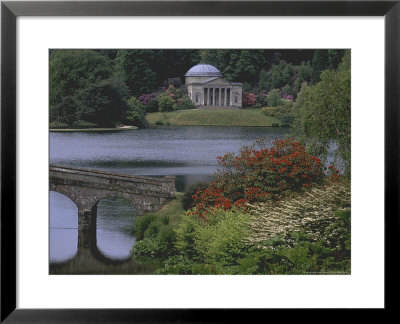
x,y
208,96
213,104
224,96
230,97
219,97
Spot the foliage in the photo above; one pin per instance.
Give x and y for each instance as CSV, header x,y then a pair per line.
x,y
219,241
306,233
185,103
71,71
136,113
145,98
141,225
152,106
165,102
248,99
325,60
278,76
65,111
134,68
174,93
103,103
311,212
284,112
323,114
155,234
187,200
236,65
259,175
301,257
274,98
150,247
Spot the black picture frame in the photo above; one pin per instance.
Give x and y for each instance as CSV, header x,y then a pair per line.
x,y
10,10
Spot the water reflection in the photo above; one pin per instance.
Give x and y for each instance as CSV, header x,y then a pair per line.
x,y
90,260
108,244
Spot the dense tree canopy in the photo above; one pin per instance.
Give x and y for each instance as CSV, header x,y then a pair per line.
x,y
134,68
73,70
323,113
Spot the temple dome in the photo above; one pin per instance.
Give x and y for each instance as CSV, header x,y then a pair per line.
x,y
204,70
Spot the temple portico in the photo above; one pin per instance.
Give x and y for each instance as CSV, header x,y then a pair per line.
x,y
207,88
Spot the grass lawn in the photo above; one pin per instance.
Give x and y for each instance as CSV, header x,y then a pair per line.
x,y
93,129
207,117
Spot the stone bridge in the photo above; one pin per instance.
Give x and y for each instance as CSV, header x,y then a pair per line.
x,y
87,187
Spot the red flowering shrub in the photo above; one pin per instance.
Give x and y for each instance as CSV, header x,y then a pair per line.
x,y
248,99
258,175
333,174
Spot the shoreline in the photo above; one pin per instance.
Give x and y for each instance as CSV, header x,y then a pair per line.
x,y
124,128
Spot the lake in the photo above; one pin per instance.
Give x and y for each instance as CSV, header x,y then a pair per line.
x,y
187,152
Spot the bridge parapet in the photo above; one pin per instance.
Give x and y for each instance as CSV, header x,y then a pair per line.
x,y
86,187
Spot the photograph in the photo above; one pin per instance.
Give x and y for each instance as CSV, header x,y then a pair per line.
x,y
200,161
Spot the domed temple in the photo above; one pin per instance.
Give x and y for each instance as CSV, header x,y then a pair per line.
x,y
207,88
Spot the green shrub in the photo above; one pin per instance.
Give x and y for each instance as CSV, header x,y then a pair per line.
x,y
179,264
165,103
141,225
274,98
185,103
152,106
269,111
153,229
185,241
159,122
150,248
220,241
167,234
223,243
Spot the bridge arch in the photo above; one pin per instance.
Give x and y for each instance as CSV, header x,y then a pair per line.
x,y
63,225
113,214
87,187
65,193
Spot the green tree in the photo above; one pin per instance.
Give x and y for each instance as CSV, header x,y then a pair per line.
x,y
323,60
173,63
320,62
274,98
65,111
134,68
236,65
323,113
71,71
103,103
135,114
